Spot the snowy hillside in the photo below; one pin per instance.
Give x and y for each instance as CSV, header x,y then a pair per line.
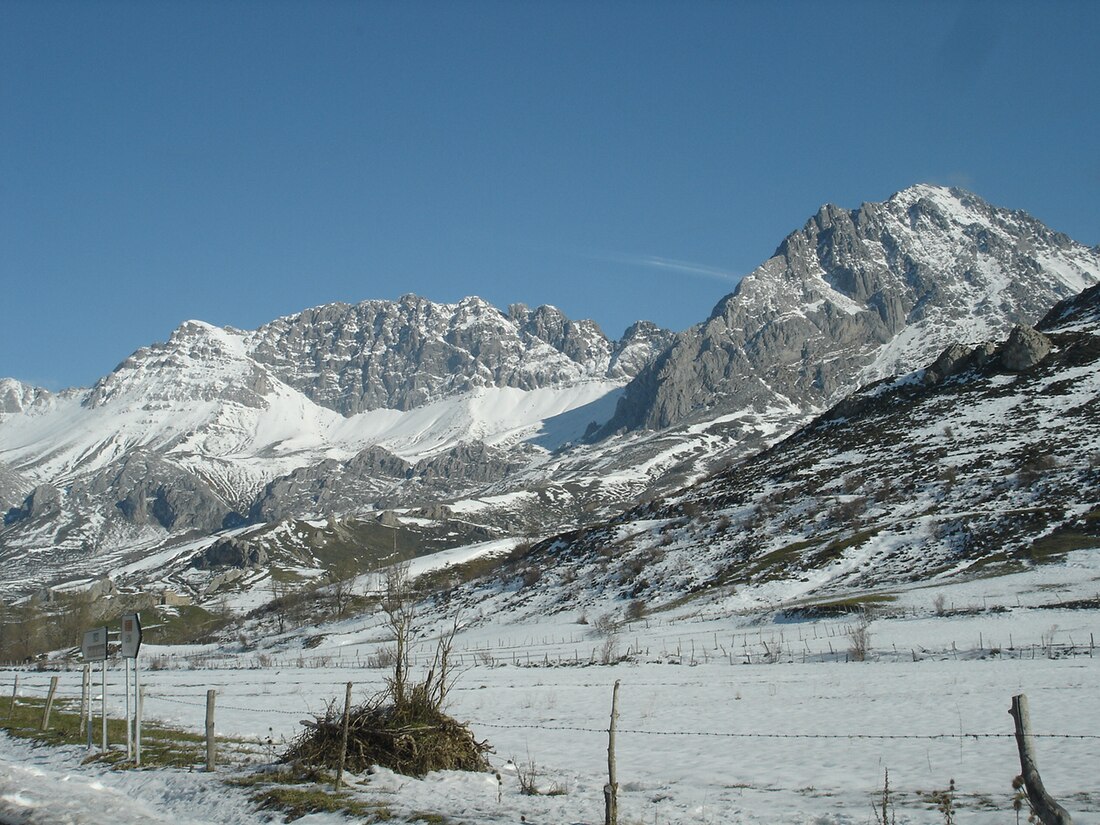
x,y
723,716
985,462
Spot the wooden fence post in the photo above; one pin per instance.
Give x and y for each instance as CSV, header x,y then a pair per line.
x,y
611,789
1048,811
343,740
14,693
49,703
211,748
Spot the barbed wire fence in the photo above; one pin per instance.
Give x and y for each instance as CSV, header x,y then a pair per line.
x,y
820,643
35,685
40,690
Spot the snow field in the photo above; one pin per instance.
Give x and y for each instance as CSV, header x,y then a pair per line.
x,y
789,742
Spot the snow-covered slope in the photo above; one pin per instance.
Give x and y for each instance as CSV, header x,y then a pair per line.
x,y
985,462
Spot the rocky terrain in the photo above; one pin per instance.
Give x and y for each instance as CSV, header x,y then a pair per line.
x,y
984,462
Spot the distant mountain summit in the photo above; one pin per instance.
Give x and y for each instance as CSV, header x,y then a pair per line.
x,y
404,354
854,296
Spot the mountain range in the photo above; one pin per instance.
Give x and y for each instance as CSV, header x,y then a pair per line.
x,y
526,423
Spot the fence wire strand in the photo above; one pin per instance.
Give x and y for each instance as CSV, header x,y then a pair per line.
x,y
34,689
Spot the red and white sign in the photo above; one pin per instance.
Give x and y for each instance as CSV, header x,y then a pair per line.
x,y
130,636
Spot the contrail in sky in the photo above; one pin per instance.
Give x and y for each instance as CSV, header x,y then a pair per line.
x,y
673,265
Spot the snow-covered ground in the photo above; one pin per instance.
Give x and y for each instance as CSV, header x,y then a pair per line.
x,y
703,737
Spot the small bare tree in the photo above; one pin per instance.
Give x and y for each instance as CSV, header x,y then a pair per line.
x,y
278,602
443,649
341,592
397,604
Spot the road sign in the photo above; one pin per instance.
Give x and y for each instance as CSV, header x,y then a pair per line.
x,y
94,646
130,636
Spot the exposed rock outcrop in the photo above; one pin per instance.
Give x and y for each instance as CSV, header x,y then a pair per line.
x,y
1024,349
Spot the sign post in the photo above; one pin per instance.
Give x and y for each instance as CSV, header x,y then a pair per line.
x,y
129,643
94,649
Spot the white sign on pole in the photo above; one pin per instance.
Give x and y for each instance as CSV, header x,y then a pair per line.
x,y
94,646
130,636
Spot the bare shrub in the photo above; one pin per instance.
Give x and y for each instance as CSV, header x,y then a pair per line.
x,y
848,512
945,803
604,625
527,773
1035,467
403,727
609,650
859,639
531,576
382,659
885,814
939,604
412,740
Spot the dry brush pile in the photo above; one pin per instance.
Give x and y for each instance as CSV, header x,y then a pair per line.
x,y
413,738
403,728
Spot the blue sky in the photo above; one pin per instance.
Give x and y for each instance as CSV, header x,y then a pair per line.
x,y
237,161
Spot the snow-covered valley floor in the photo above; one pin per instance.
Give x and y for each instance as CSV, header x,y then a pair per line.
x,y
716,741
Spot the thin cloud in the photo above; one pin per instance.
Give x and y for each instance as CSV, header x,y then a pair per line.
x,y
672,265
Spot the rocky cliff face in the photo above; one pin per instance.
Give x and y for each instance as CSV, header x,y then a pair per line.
x,y
855,296
15,396
376,479
401,355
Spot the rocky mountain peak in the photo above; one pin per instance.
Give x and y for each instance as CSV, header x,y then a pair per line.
x,y
15,396
854,296
199,362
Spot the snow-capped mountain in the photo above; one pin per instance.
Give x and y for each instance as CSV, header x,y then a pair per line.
x,y
342,410
190,435
855,296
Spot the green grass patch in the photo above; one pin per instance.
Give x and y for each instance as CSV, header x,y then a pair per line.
x,y
845,607
184,624
1055,545
161,745
798,555
296,801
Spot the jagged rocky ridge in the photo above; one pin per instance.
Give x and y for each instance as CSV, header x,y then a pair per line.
x,y
376,479
986,460
857,295
406,354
